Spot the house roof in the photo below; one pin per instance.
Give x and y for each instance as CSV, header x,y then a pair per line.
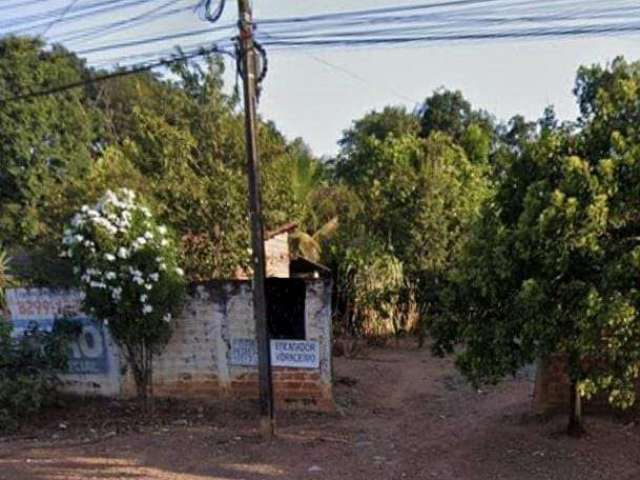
x,y
301,264
287,227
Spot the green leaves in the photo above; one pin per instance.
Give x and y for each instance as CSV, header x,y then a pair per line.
x,y
29,365
418,198
551,265
43,140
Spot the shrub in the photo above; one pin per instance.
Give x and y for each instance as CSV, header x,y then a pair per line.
x,y
127,267
29,366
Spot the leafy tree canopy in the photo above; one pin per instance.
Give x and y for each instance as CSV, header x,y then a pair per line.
x,y
552,267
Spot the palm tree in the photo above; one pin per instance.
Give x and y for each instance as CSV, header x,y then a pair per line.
x,y
309,245
5,278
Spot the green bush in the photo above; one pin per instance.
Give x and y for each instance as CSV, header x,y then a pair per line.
x,y
29,366
127,268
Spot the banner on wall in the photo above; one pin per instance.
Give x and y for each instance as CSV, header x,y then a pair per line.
x,y
43,307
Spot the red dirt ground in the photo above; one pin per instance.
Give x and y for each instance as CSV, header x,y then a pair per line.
x,y
403,415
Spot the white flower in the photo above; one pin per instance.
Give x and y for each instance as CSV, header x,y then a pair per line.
x,y
84,209
148,235
162,229
123,252
88,243
76,270
78,238
164,242
106,322
143,297
155,276
179,271
110,275
129,194
148,286
162,267
100,285
167,317
109,257
139,242
138,280
147,309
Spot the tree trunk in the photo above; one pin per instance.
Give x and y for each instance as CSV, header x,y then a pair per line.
x,y
139,362
576,426
421,331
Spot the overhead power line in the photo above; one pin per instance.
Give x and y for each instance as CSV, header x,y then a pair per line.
x,y
71,4
108,31
119,73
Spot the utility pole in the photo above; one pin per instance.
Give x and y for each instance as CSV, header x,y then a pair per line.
x,y
248,62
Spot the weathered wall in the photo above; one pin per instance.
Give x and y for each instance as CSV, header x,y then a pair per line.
x,y
200,360
551,391
276,250
94,361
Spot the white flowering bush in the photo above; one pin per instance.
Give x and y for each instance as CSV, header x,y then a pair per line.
x,y
127,267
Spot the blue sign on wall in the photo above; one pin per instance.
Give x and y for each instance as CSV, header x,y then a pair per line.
x,y
88,353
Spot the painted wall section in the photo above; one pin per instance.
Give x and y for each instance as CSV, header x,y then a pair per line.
x,y
94,357
197,361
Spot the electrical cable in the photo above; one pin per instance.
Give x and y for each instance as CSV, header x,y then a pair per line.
x,y
212,17
120,73
408,25
71,4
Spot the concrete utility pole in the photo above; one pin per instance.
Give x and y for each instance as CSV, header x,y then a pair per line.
x,y
248,62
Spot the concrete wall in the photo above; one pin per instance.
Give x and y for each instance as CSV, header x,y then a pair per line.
x,y
199,359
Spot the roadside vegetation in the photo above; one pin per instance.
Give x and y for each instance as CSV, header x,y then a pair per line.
x,y
506,242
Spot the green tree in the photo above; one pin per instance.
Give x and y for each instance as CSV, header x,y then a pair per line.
x,y
447,111
553,265
392,120
418,199
181,143
44,141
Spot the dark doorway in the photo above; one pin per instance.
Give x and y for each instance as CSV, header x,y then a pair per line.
x,y
285,308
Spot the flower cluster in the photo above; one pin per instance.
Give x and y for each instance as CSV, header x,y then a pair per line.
x,y
125,262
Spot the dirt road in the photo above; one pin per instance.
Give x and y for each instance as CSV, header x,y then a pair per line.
x,y
405,415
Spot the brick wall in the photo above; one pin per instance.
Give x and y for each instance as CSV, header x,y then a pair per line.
x,y
197,361
551,390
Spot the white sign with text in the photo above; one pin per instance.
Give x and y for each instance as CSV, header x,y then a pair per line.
x,y
284,353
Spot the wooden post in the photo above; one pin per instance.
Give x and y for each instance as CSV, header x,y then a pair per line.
x,y
258,261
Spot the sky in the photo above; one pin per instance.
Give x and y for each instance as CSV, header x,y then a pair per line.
x,y
316,94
